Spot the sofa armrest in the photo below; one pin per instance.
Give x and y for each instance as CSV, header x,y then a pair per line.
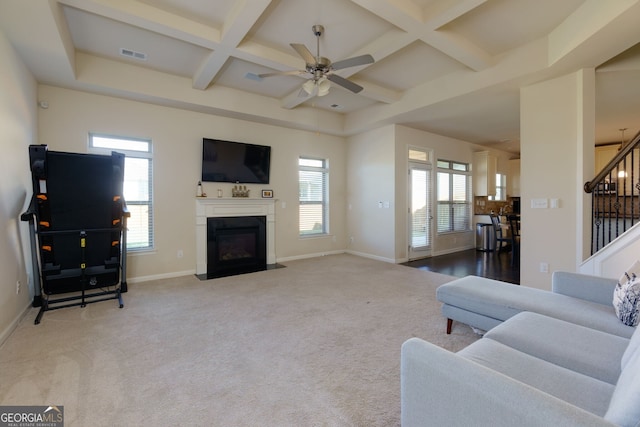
x,y
591,288
442,388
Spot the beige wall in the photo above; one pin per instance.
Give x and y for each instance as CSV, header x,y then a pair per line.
x,y
557,121
177,146
18,113
370,180
443,148
377,172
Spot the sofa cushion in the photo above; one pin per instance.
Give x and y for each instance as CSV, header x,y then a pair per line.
x,y
623,408
632,348
626,298
584,350
580,390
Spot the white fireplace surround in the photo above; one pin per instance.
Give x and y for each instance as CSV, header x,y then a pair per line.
x,y
225,207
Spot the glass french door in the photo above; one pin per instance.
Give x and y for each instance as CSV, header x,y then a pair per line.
x,y
420,211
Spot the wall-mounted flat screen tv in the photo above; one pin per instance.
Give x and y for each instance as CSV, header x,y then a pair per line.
x,y
238,162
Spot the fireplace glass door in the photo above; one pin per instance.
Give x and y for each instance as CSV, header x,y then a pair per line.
x,y
235,245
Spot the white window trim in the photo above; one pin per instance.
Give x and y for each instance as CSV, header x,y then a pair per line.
x,y
469,197
325,197
134,154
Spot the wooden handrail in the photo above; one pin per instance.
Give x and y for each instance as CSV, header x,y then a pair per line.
x,y
589,186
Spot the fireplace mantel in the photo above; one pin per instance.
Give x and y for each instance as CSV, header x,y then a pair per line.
x,y
230,207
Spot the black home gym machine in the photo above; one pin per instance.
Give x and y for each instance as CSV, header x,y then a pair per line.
x,y
77,222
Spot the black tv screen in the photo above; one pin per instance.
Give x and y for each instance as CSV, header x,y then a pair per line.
x,y
227,161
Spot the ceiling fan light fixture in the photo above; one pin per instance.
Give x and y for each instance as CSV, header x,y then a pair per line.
x,y
320,69
323,86
308,86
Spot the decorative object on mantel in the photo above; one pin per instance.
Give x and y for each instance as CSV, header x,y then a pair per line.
x,y
199,191
267,194
219,192
240,191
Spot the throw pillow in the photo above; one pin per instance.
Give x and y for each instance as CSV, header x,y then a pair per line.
x,y
626,296
634,270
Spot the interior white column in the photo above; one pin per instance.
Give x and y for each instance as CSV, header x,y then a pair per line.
x,y
557,127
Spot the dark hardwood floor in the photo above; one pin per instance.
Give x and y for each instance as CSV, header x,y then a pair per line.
x,y
485,264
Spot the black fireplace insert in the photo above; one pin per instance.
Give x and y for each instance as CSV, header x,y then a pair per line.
x,y
236,245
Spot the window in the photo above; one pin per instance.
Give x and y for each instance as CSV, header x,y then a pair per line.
x,y
313,177
419,155
454,196
501,188
137,184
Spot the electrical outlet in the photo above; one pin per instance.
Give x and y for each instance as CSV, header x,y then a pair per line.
x,y
180,253
544,267
18,287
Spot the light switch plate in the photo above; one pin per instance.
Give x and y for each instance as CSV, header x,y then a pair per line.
x,y
539,203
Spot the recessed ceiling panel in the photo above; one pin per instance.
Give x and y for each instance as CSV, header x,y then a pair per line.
x,y
235,72
207,12
348,27
409,67
498,26
340,100
104,37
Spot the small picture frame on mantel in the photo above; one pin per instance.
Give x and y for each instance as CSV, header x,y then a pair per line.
x,y
267,194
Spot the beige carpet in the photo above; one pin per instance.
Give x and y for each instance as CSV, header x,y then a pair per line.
x,y
314,344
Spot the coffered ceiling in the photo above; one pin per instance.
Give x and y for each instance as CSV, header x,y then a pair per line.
x,y
451,67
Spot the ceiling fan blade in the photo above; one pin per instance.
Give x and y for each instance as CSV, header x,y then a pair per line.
x,y
253,76
304,53
352,62
281,73
347,84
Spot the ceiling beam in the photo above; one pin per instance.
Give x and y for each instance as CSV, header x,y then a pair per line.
x,y
236,26
65,35
443,12
411,21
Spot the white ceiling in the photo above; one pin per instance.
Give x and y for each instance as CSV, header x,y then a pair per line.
x,y
451,67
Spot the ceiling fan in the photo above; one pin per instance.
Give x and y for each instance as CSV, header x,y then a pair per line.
x,y
321,69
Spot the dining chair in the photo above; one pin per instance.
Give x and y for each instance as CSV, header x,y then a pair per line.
x,y
514,227
502,241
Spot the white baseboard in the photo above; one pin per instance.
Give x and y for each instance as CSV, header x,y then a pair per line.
x,y
160,276
306,256
13,325
362,254
376,257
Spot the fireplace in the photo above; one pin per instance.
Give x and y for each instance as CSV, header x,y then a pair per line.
x,y
212,208
236,245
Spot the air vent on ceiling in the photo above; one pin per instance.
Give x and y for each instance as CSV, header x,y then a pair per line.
x,y
133,54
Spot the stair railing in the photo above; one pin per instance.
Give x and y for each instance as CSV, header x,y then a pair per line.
x,y
615,196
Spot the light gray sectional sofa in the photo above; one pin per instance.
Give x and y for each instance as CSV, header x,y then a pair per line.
x,y
577,298
559,358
